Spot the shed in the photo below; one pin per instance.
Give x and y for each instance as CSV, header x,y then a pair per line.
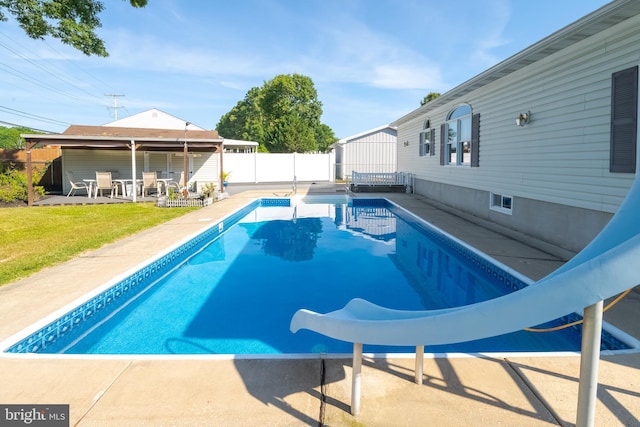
x,y
371,151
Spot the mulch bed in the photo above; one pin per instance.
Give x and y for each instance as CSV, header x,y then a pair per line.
x,y
18,204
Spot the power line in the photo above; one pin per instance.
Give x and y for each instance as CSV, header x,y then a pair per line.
x,y
36,82
51,73
75,65
32,116
16,125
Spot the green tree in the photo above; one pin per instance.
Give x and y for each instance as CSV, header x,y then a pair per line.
x,y
283,116
244,121
292,112
325,137
289,134
10,137
430,97
72,21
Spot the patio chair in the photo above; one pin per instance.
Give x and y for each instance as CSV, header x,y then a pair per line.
x,y
76,185
150,182
179,186
104,182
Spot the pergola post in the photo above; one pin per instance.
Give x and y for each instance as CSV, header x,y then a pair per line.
x,y
134,186
29,146
220,186
185,160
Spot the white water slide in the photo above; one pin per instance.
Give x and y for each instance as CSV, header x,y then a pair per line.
x,y
606,267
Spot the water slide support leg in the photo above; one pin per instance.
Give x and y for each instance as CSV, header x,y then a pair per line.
x,y
419,364
355,378
589,359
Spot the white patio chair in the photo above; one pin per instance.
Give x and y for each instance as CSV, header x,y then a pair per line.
x,y
104,182
76,185
179,186
150,182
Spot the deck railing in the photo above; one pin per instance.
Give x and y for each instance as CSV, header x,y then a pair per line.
x,y
380,179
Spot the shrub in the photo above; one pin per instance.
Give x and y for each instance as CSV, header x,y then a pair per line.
x,y
13,184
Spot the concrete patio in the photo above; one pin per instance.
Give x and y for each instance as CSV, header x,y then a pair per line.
x,y
193,391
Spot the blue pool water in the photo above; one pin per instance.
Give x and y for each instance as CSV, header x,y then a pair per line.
x,y
237,286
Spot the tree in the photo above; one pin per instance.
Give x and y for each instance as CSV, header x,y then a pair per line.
x,y
430,97
10,137
325,137
71,21
283,116
244,121
290,134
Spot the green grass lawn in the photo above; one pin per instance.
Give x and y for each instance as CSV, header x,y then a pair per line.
x,y
34,238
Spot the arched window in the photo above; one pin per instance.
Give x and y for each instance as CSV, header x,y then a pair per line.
x,y
458,141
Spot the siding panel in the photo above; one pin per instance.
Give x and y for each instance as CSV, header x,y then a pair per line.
x,y
562,156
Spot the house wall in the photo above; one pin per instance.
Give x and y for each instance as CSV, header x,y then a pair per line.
x,y
557,167
84,164
374,152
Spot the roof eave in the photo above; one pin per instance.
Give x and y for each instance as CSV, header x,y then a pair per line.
x,y
607,16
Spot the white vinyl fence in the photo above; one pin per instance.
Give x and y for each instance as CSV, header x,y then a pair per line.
x,y
275,167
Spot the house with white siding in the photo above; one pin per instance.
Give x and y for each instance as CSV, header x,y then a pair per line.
x,y
543,143
373,150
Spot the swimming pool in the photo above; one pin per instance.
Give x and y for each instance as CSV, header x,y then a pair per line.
x,y
234,288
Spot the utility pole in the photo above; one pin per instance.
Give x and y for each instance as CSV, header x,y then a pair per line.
x,y
115,103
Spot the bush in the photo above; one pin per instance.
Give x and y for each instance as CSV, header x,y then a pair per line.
x,y
13,184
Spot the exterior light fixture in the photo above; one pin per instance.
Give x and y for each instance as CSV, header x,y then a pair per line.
x,y
523,118
406,143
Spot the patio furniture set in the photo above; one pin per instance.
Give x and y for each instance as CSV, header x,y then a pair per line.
x,y
111,182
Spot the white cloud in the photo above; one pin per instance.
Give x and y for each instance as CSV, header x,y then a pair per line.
x,y
491,36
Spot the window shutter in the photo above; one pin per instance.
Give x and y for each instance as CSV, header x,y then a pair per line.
x,y
475,140
624,116
421,145
443,130
432,142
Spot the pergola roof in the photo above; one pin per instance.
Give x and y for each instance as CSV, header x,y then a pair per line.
x,y
111,137
125,138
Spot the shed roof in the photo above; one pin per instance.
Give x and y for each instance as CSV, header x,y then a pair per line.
x,y
364,133
606,17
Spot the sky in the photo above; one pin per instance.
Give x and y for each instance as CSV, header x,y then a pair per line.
x,y
371,61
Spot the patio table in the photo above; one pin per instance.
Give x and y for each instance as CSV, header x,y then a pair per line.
x,y
123,183
90,181
165,183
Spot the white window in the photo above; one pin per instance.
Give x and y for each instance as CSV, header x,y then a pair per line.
x,y
501,203
458,141
425,139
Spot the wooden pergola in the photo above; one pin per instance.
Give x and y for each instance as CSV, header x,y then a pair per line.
x,y
129,139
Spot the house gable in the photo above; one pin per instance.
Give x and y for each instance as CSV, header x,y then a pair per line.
x,y
153,119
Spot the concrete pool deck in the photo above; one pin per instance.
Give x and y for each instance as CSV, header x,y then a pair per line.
x,y
523,391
